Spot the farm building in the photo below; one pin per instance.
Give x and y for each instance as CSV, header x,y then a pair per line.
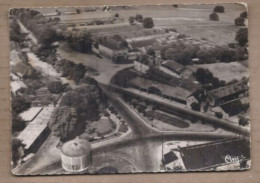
x,y
76,155
173,93
36,131
173,68
227,93
222,153
115,55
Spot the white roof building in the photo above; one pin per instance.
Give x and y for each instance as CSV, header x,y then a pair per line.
x,y
31,113
35,128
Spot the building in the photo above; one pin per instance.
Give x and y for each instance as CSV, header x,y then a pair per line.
x,y
31,114
172,67
116,55
36,131
172,93
141,67
222,153
76,155
169,158
227,93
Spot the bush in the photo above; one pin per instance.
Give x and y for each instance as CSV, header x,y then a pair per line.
x,y
148,23
55,87
243,14
243,121
139,18
116,15
214,16
131,20
195,106
219,9
240,21
242,36
219,114
20,104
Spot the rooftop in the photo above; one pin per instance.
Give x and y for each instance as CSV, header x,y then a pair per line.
x,y
36,127
169,157
168,90
229,90
234,148
31,113
76,148
173,66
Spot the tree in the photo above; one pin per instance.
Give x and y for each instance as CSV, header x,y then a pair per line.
x,y
195,106
63,122
78,11
148,22
116,15
150,52
16,151
18,124
20,104
218,114
87,99
78,72
243,121
55,87
139,18
239,21
219,9
80,41
214,16
243,14
242,36
131,20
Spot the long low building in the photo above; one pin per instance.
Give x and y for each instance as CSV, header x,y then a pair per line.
x,y
227,93
216,154
36,131
173,93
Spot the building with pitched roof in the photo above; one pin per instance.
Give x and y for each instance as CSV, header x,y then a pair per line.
x,y
227,93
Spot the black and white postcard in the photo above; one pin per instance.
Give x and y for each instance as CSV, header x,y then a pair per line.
x,y
129,89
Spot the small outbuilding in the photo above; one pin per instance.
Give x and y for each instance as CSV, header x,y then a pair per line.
x,y
76,155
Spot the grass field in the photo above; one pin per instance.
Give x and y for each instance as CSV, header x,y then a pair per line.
x,y
227,71
193,20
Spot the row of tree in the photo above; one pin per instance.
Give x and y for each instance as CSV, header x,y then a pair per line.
x,y
147,22
71,70
184,53
44,29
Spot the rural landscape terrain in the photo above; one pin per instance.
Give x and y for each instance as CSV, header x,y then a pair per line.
x,y
129,89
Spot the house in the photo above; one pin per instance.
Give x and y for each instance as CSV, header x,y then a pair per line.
x,y
227,93
171,67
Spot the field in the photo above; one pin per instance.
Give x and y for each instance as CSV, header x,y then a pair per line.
x,y
182,19
227,71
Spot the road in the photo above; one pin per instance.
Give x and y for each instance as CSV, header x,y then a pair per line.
x,y
223,123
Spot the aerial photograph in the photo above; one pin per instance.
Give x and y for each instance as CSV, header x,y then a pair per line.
x,y
129,89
